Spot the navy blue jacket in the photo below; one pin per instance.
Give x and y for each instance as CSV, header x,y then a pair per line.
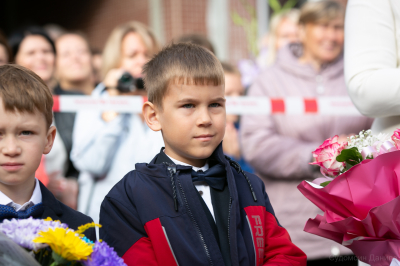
x,y
58,211
141,221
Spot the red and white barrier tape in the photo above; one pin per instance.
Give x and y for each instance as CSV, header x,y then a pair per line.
x,y
337,106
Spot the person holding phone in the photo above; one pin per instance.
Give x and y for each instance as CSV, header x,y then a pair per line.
x,y
107,145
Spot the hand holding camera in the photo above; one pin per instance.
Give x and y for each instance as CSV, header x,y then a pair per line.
x,y
121,82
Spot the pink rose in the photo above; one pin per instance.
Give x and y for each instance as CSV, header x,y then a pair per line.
x,y
396,138
325,156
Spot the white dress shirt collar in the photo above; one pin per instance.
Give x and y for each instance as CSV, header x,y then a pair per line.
x,y
203,168
202,187
35,199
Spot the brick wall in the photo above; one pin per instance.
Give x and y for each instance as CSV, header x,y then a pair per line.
x,y
104,15
184,16
180,17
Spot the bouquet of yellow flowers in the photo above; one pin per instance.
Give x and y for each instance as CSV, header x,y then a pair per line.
x,y
53,243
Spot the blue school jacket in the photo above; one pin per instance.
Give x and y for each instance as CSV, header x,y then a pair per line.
x,y
154,217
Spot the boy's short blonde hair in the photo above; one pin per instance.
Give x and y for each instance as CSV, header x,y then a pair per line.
x,y
182,63
24,91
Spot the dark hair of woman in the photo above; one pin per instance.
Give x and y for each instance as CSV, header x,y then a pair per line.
x,y
18,36
3,42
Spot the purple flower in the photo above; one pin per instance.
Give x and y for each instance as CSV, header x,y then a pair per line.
x,y
23,231
103,255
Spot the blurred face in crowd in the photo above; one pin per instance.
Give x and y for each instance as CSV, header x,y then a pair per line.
x,y
192,120
36,54
3,55
134,54
73,58
323,41
287,32
233,88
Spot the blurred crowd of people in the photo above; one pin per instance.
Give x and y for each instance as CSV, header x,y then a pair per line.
x,y
302,56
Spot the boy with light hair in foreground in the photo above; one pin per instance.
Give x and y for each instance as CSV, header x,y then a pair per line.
x,y
191,205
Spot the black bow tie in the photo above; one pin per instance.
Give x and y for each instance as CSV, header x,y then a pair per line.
x,y
215,176
8,212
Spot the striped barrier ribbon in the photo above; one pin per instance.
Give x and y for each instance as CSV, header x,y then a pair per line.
x,y
329,106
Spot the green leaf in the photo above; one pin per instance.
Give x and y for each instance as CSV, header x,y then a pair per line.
x,y
237,19
348,166
289,4
275,5
350,156
324,184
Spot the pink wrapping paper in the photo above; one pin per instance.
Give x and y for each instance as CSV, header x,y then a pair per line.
x,y
361,209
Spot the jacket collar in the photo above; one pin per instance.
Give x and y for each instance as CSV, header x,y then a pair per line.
x,y
157,164
217,156
51,205
162,158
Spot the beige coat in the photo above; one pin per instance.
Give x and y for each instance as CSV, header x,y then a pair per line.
x,y
279,147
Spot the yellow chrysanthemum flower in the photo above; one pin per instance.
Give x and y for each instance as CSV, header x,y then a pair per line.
x,y
48,219
85,227
65,243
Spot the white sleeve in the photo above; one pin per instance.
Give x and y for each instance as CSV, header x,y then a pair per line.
x,y
95,142
371,60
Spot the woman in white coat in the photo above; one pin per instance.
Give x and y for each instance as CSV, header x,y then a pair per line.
x,y
107,145
372,58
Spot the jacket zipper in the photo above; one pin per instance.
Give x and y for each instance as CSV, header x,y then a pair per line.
x,y
229,223
195,224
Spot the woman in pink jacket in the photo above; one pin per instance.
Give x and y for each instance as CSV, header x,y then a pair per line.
x,y
279,147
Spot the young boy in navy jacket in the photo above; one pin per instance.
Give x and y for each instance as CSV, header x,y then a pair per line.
x,y
191,205
25,135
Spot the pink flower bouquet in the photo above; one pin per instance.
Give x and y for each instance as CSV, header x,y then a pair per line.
x,y
359,197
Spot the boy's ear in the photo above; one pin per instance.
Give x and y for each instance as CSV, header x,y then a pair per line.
x,y
51,135
150,113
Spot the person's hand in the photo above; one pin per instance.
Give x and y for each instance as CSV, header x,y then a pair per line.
x,y
111,82
230,144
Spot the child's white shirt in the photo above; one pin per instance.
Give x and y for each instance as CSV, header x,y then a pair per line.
x,y
202,187
35,199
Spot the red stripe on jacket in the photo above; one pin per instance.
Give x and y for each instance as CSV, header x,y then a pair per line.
x,y
141,253
272,242
152,250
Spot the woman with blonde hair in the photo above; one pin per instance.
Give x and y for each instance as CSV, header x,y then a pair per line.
x,y
283,29
118,52
108,145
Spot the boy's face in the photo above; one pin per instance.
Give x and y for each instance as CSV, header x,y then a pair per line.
x,y
192,121
24,137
